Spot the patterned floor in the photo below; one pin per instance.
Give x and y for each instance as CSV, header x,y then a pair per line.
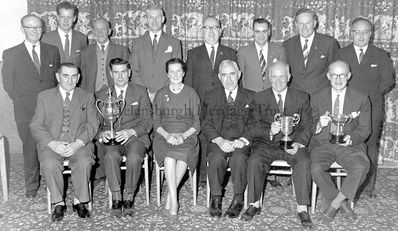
x,y
278,213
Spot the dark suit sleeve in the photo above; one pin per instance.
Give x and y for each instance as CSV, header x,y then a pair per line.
x,y
8,74
208,114
302,132
177,49
333,51
195,103
362,132
190,69
144,113
87,131
37,125
134,62
387,80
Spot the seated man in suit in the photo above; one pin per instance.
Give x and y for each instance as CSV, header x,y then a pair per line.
x,y
267,134
255,58
351,155
225,114
68,41
64,124
132,130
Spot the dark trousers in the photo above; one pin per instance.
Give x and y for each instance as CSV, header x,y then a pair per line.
x,y
135,154
218,165
31,160
202,157
352,159
258,166
80,164
372,143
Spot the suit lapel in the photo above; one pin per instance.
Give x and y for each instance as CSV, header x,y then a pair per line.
x,y
313,49
148,45
220,52
348,106
75,102
28,59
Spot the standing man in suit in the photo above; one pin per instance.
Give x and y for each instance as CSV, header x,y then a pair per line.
x,y
351,155
255,58
151,51
95,58
202,74
29,68
309,53
64,124
372,73
132,130
69,41
266,135
225,115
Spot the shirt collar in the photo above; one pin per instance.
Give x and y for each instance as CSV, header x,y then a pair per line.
x,y
63,92
258,48
106,45
310,40
118,89
234,92
208,47
29,45
62,33
283,94
341,94
363,48
152,35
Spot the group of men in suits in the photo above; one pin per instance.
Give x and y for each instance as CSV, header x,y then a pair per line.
x,y
245,132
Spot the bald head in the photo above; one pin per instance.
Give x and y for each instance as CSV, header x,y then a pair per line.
x,y
339,64
338,75
279,76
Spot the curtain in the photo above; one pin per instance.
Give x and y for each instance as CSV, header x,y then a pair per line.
x,y
184,21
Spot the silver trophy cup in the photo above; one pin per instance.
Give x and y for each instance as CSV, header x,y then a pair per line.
x,y
111,110
287,124
336,132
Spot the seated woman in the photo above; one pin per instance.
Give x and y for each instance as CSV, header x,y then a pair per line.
x,y
176,124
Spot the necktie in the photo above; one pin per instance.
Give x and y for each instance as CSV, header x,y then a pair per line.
x,y
361,54
120,94
154,45
230,100
263,64
280,103
35,59
306,51
212,53
67,47
336,111
103,48
65,136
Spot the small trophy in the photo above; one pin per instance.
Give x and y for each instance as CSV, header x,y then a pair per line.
x,y
287,124
111,110
336,132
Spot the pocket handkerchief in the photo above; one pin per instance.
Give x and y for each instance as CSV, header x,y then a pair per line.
x,y
169,49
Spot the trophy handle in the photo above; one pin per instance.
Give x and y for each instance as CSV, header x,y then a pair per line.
x,y
297,118
277,117
98,109
348,120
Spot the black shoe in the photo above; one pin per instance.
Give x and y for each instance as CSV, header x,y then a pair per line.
x,y
58,213
31,194
347,212
128,208
250,213
215,206
234,209
329,214
370,194
305,219
81,210
116,210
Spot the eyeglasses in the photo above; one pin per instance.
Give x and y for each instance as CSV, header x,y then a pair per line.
x,y
341,76
32,28
211,28
359,32
230,75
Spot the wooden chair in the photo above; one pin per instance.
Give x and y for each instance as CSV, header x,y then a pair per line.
x,y
159,179
3,169
65,172
335,170
145,166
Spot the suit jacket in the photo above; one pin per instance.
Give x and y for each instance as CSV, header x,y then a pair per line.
x,y
88,63
137,114
374,76
249,64
354,101
46,123
265,107
311,77
200,75
150,71
214,110
79,41
23,82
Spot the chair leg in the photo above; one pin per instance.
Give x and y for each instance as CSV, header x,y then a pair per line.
x,y
146,172
294,191
157,184
193,185
90,202
3,168
245,200
338,179
48,200
313,197
207,191
108,190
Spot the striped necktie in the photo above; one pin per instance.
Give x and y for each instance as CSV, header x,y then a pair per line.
x,y
67,45
306,51
263,64
35,58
